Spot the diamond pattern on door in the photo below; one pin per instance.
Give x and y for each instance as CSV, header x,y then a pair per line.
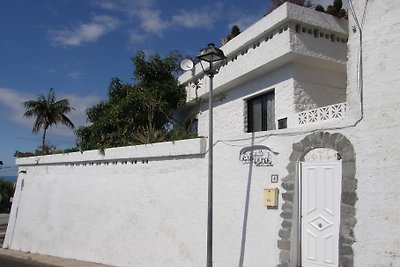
x,y
320,213
320,223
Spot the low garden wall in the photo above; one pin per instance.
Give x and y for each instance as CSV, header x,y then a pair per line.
x,y
132,206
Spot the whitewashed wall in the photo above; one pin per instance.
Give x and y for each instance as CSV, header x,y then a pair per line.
x,y
280,52
376,137
273,42
297,87
154,214
317,87
135,206
230,114
111,210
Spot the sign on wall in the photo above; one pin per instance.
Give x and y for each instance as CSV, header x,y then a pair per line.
x,y
260,155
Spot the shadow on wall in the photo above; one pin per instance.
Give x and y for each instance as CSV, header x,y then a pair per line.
x,y
246,208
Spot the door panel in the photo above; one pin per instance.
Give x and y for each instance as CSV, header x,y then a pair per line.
x,y
320,216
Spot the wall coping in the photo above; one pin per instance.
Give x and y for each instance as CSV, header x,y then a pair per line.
x,y
182,148
274,21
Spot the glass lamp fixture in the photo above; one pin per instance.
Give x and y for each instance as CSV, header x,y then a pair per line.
x,y
212,56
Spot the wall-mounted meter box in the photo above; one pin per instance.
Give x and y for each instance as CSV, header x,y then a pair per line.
x,y
271,197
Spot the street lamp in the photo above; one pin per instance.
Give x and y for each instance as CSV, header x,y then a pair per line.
x,y
211,60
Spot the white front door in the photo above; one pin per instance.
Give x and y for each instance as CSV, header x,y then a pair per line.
x,y
321,184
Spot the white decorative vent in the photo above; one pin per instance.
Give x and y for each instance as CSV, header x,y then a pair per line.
x,y
322,114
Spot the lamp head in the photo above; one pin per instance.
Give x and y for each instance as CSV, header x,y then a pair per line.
x,y
214,56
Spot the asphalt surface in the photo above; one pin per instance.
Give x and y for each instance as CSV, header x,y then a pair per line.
x,y
16,262
13,258
4,218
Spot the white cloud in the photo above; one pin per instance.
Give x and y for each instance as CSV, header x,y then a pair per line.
x,y
136,37
151,21
198,18
123,4
141,13
11,104
107,5
191,19
75,75
128,7
147,17
84,32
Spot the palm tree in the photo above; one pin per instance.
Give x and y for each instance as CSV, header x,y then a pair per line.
x,y
48,111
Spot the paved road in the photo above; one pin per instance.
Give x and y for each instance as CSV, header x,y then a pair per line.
x,y
13,258
12,262
3,228
4,218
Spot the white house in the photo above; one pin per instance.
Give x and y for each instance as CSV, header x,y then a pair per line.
x,y
295,57
310,111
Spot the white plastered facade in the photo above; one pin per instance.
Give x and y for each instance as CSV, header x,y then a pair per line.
x,y
146,205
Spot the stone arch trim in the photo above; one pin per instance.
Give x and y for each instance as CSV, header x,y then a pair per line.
x,y
288,240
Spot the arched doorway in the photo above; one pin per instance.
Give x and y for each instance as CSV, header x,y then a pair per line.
x,y
291,230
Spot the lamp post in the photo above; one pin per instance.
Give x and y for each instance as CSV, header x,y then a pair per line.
x,y
211,60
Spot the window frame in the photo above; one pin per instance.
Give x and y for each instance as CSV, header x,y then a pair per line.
x,y
266,125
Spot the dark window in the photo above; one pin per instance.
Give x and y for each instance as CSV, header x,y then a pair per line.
x,y
261,113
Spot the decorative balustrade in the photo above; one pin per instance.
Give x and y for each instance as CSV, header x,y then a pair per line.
x,y
322,114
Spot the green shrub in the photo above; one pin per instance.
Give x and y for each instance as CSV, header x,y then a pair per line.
x,y
6,191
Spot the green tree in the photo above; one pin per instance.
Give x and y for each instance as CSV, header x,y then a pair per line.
x,y
319,8
136,113
6,191
48,112
336,9
235,31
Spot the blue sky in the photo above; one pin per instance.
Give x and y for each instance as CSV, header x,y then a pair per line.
x,y
77,46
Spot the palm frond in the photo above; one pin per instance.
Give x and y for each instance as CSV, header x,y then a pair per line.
x,y
48,112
